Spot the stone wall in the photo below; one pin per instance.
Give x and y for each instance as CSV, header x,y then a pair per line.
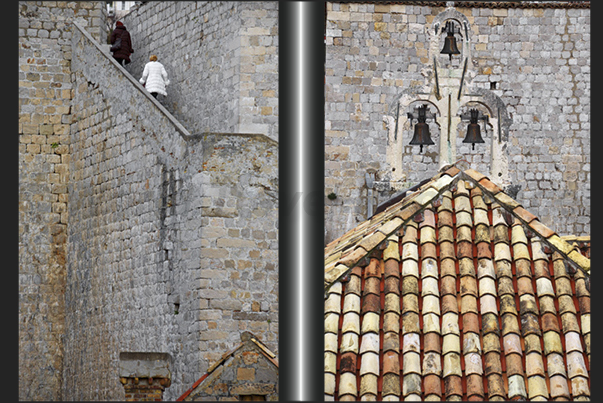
x,y
221,58
239,256
45,115
139,277
536,59
134,234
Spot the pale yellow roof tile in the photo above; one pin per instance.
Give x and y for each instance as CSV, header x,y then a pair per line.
x,y
485,267
487,286
537,387
411,363
580,387
555,364
451,344
369,343
410,268
329,383
370,323
333,303
502,252
517,386
347,384
452,365
431,323
488,304
576,365
429,268
431,304
330,365
349,342
369,364
463,218
425,196
331,322
351,303
481,217
430,286
544,286
392,251
331,342
450,323
410,251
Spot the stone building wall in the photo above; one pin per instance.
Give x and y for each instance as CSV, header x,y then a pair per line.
x,y
134,233
239,255
536,59
221,58
146,209
45,114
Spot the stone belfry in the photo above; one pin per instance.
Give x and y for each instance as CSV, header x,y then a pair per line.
x,y
448,97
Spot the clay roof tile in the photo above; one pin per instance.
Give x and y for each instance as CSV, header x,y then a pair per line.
x,y
432,385
393,330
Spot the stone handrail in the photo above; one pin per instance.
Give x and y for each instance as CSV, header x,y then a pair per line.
x,y
181,129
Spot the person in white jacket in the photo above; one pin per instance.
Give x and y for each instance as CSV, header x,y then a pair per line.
x,y
155,77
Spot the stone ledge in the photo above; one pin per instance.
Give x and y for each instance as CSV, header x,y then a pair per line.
x,y
144,365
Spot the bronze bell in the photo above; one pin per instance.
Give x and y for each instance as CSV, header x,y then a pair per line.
x,y
421,136
450,47
473,130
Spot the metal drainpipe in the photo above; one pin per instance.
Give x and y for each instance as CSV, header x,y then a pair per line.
x,y
370,178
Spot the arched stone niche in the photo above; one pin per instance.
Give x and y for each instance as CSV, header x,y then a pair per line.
x,y
436,38
448,90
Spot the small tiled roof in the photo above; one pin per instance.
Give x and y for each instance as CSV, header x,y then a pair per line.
x,y
246,337
456,292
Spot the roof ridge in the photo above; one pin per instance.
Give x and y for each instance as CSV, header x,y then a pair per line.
x,y
552,239
250,337
342,254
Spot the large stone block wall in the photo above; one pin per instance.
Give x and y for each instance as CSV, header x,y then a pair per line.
x,y
536,59
45,92
144,212
122,273
239,256
221,58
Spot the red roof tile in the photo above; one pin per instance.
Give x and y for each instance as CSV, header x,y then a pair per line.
x,y
460,302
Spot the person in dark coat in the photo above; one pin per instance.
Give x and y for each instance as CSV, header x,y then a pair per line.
x,y
123,53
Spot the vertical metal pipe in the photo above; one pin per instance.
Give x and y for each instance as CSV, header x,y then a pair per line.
x,y
369,178
301,195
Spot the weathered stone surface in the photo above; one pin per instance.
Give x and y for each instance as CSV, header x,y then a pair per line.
x,y
44,170
537,65
225,68
133,235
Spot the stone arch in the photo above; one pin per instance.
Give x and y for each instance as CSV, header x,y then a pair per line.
x,y
435,33
496,107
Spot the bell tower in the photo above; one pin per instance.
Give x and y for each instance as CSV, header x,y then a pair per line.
x,y
459,119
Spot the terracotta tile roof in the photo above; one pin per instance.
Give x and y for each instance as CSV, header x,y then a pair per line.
x,y
456,292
